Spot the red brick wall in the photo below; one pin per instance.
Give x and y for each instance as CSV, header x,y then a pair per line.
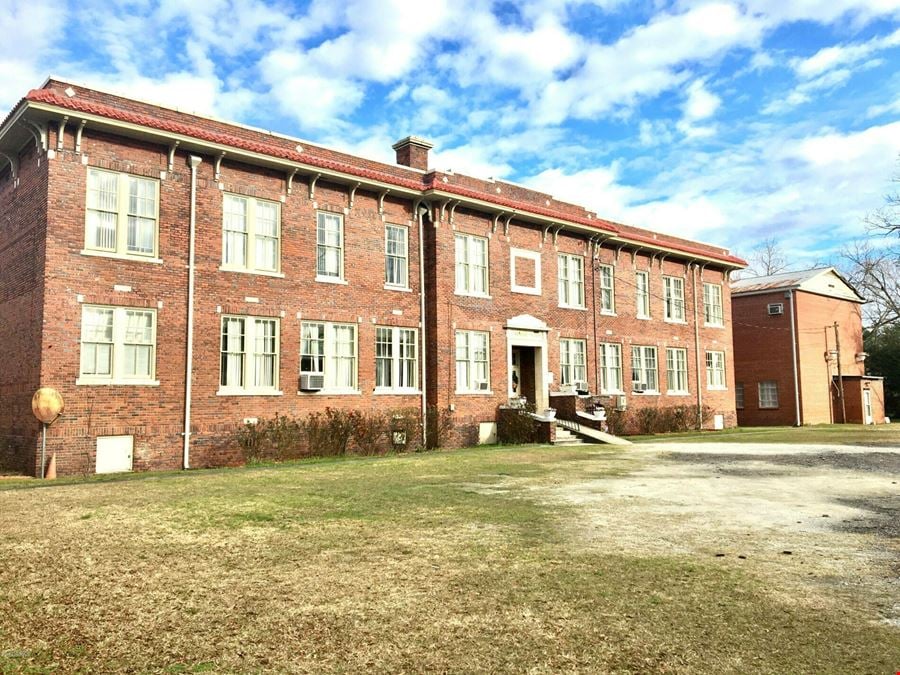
x,y
23,221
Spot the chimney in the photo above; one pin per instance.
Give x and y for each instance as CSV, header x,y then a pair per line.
x,y
412,151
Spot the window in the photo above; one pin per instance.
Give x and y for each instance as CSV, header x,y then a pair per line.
x,y
395,358
673,292
642,286
571,362
676,370
329,246
251,231
471,265
715,370
122,214
249,355
607,292
118,345
571,280
329,349
712,305
768,394
739,395
396,256
472,366
525,271
610,368
643,369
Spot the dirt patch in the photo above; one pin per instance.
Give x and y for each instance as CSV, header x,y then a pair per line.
x,y
877,462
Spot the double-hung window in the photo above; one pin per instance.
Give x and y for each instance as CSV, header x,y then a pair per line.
x,y
251,234
472,361
712,305
471,265
329,247
396,256
676,370
118,345
739,395
122,214
329,349
768,394
642,294
715,370
570,275
607,290
396,358
249,355
673,292
643,370
610,368
571,362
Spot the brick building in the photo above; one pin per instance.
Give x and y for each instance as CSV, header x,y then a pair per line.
x,y
139,244
786,356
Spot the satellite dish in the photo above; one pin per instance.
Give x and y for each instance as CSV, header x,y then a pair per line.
x,y
47,404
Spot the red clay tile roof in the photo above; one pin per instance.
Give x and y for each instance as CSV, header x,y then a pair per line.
x,y
264,144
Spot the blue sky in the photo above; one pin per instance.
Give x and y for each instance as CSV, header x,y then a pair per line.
x,y
728,122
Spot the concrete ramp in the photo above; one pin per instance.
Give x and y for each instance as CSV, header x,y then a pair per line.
x,y
590,432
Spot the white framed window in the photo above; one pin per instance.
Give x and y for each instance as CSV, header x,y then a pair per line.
x,y
768,394
329,349
715,370
676,370
329,246
473,372
739,395
525,271
396,358
610,368
673,293
642,294
121,214
251,234
712,305
572,366
570,274
644,375
471,265
249,355
118,345
396,256
607,290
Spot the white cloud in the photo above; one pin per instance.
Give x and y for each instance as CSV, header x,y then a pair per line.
x,y
597,189
892,108
29,28
829,58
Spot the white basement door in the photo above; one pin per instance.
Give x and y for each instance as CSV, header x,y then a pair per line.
x,y
114,453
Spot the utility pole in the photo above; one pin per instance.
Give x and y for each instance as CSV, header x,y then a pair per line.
x,y
837,346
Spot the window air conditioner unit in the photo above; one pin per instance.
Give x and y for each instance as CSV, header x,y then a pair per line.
x,y
581,387
481,385
776,309
311,381
621,402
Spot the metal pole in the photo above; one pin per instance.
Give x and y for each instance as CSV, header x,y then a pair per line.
x,y
798,421
837,347
43,447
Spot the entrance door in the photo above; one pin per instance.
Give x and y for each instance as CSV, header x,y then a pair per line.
x,y
515,372
867,407
521,373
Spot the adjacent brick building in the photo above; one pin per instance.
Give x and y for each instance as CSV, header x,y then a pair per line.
x,y
788,367
139,243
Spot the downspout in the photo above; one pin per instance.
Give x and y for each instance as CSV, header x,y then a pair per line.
x,y
420,210
596,340
798,422
698,269
189,357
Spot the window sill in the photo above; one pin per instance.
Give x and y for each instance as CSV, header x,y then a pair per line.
x,y
578,307
483,296
643,318
714,325
262,273
381,391
614,392
402,289
466,392
606,312
249,392
646,393
678,393
121,256
331,392
683,322
717,388
114,382
332,280
774,407
524,290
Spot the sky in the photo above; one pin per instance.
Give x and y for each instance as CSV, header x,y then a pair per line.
x,y
727,122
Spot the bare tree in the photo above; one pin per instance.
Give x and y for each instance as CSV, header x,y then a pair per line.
x,y
768,257
875,273
886,220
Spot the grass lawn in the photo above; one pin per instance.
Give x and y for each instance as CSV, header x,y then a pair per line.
x,y
437,562
887,435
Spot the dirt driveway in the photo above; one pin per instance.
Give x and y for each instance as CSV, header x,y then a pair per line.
x,y
820,524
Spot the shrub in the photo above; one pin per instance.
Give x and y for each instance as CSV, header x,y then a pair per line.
x,y
438,423
328,433
253,442
285,437
368,432
516,426
405,423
